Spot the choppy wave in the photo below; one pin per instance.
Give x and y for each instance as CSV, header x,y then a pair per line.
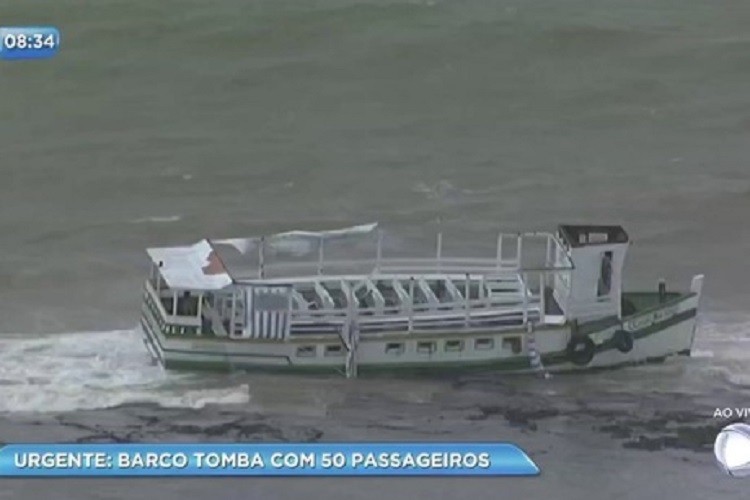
x,y
444,191
723,340
92,370
66,372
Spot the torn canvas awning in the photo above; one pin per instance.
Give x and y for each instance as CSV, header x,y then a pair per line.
x,y
295,242
194,267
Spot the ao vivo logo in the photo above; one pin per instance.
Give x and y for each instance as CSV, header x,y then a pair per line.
x,y
732,450
732,413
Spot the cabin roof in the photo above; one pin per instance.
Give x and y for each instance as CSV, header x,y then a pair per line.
x,y
576,235
301,256
193,267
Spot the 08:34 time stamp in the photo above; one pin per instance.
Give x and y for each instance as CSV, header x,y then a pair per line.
x,y
28,42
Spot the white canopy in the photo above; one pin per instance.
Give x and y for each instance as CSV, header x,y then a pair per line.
x,y
200,266
296,242
331,233
194,267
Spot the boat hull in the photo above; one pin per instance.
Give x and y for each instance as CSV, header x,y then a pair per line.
x,y
658,332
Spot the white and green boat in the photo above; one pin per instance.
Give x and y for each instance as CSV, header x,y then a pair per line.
x,y
542,302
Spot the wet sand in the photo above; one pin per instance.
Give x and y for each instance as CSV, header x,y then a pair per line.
x,y
637,446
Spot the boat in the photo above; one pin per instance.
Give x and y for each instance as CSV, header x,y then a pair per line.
x,y
343,301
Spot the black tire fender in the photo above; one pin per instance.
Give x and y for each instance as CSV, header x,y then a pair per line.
x,y
624,340
581,350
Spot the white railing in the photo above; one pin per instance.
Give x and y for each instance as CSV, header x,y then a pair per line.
x,y
385,266
474,313
438,263
171,319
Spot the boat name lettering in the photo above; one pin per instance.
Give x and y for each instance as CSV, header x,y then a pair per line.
x,y
650,319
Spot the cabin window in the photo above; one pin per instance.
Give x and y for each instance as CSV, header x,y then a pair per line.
x,y
598,238
187,304
168,304
593,238
604,286
454,345
210,300
394,348
306,351
426,347
512,344
484,344
334,350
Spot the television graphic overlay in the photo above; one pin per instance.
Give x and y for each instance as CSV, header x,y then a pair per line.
x,y
265,459
732,449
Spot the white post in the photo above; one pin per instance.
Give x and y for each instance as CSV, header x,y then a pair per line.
x,y
350,300
353,340
548,262
200,314
174,302
519,250
439,250
349,335
261,257
379,252
525,291
696,285
411,304
320,256
234,308
499,250
467,290
352,308
542,299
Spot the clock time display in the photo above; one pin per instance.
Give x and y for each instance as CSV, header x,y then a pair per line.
x,y
28,42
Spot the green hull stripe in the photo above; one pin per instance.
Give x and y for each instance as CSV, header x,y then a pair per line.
x,y
609,344
516,363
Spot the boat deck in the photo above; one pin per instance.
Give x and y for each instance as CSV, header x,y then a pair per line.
x,y
323,296
402,303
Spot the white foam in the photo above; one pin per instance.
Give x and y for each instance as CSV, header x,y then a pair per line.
x,y
723,339
439,190
157,219
716,330
737,378
65,372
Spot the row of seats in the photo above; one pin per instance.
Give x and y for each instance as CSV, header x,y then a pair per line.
x,y
433,291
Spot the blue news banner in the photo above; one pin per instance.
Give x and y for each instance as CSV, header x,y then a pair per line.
x,y
266,459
